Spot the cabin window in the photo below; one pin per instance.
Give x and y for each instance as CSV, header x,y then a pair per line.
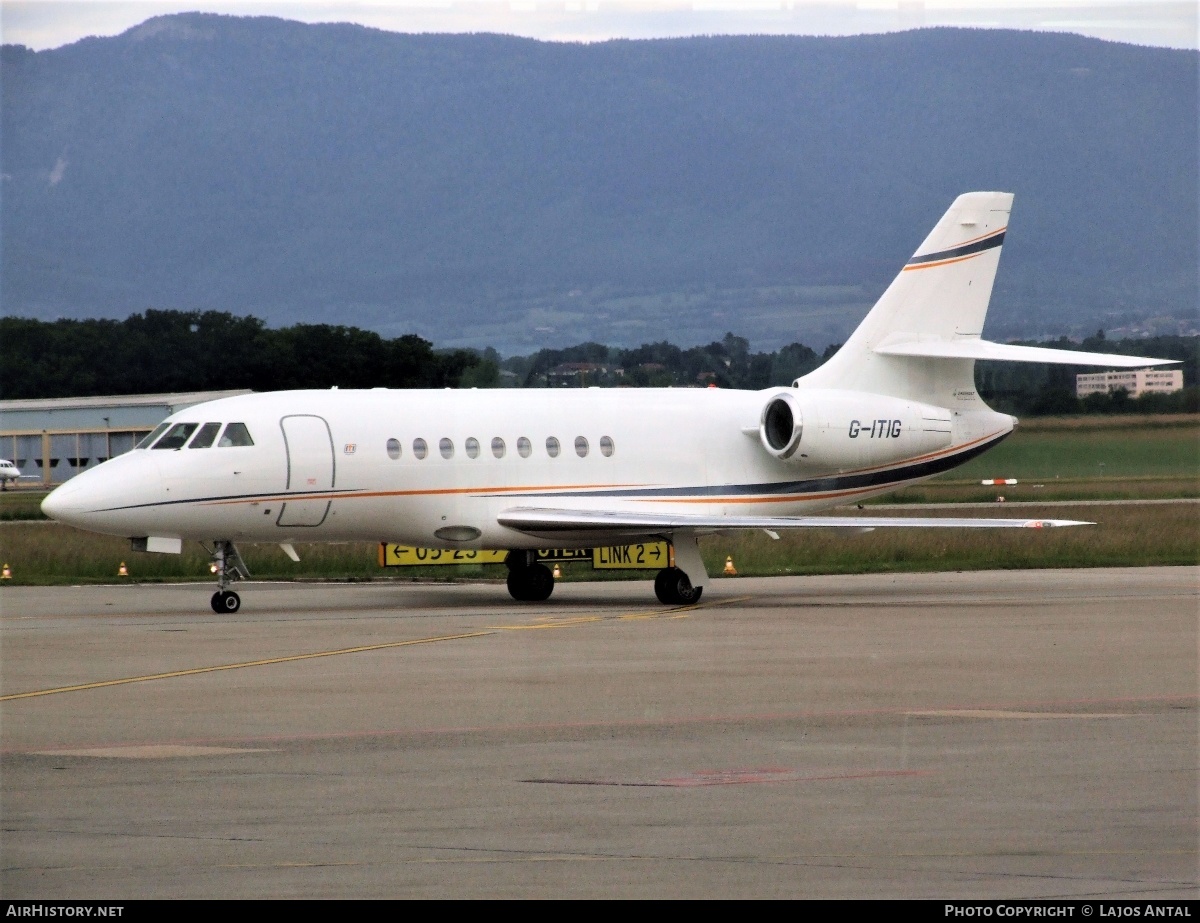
x,y
393,449
606,446
420,449
446,447
205,436
581,446
552,447
176,436
498,447
235,434
524,447
158,431
472,445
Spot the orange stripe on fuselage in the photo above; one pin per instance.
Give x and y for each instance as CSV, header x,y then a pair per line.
x,y
374,494
950,450
531,488
848,492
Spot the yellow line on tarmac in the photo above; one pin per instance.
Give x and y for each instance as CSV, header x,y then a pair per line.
x,y
237,666
565,623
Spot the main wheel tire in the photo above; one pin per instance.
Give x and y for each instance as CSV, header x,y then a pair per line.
x,y
530,584
541,583
518,583
226,602
686,593
674,588
662,588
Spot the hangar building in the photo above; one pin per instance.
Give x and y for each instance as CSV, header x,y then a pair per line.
x,y
53,439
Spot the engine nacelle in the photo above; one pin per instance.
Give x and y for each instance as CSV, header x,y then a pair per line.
x,y
781,425
847,430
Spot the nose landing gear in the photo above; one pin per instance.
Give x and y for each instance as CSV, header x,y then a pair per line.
x,y
228,565
226,601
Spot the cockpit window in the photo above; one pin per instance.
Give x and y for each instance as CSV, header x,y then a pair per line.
x,y
235,434
148,441
176,436
205,436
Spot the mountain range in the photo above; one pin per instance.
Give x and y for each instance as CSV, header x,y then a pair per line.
x,y
486,190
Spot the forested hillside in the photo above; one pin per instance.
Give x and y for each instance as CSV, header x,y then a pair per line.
x,y
164,351
485,190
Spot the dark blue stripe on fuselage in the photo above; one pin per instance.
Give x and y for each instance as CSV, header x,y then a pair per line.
x,y
977,246
830,484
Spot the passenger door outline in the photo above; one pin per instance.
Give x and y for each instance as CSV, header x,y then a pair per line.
x,y
311,468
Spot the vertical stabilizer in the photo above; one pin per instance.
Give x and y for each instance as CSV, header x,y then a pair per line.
x,y
941,294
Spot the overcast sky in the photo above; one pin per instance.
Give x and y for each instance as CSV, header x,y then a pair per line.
x,y
49,23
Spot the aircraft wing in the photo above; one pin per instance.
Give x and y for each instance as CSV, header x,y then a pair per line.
x,y
567,523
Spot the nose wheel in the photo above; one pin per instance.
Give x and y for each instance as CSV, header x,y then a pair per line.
x,y
225,602
228,565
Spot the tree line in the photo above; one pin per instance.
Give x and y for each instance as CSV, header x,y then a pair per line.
x,y
170,351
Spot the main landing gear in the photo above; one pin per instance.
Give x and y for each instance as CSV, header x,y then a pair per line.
x,y
228,565
528,581
674,588
681,584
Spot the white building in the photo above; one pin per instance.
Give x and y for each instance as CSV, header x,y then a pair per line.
x,y
1136,381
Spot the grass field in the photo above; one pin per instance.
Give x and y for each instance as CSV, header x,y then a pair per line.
x,y
1046,453
21,504
1068,459
1124,535
1078,458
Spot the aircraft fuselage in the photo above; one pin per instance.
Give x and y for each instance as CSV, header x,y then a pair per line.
x,y
342,465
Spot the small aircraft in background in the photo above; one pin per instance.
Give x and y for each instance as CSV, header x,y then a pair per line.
x,y
10,474
519,470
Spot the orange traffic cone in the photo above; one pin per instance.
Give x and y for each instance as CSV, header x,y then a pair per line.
x,y
730,570
122,571
557,572
5,574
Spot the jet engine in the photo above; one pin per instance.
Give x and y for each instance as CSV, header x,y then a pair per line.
x,y
847,430
782,425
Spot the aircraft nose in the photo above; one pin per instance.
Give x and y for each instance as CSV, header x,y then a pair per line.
x,y
59,504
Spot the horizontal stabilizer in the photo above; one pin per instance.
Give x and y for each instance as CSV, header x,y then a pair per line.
x,y
973,348
560,522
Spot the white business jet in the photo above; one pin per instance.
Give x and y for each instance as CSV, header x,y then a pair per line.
x,y
10,474
528,469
